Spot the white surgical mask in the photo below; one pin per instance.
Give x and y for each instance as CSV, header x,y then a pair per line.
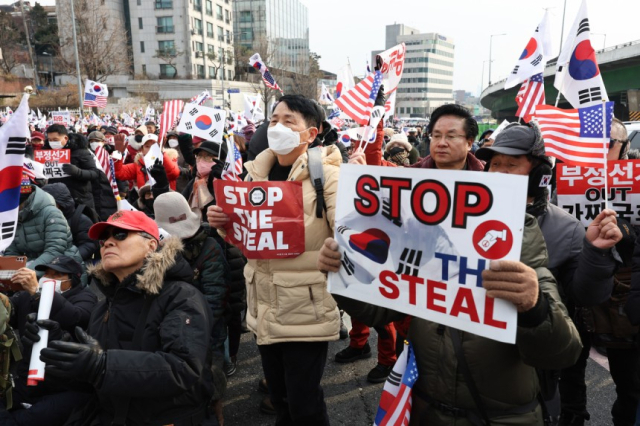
x,y
173,143
55,144
58,283
283,140
95,145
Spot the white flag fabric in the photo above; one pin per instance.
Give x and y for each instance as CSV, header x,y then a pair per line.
x,y
325,96
534,57
578,76
13,140
252,109
204,122
345,80
391,63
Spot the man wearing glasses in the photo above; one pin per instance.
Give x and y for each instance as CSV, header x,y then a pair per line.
x,y
145,352
619,142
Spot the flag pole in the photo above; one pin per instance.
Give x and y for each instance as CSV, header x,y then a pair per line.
x,y
604,143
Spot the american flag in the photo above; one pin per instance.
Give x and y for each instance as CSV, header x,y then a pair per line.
x,y
575,135
170,116
106,164
530,95
256,62
201,98
94,101
395,402
358,102
231,170
95,94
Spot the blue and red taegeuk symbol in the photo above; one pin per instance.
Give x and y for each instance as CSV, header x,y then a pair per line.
x,y
532,46
203,122
345,138
97,88
338,89
372,243
583,64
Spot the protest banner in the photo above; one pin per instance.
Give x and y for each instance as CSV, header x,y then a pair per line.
x,y
61,117
391,64
267,218
581,190
53,159
417,241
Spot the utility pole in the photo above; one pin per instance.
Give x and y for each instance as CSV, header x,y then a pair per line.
x,y
222,58
36,80
75,48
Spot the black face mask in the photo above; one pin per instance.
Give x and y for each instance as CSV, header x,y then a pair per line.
x,y
138,138
539,179
148,203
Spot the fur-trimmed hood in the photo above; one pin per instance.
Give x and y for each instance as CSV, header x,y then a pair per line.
x,y
166,264
400,143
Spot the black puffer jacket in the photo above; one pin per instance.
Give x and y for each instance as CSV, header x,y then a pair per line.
x,y
237,297
80,184
103,198
79,224
169,380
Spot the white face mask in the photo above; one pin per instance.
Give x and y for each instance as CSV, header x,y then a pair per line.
x,y
173,143
58,283
95,145
55,144
135,144
283,140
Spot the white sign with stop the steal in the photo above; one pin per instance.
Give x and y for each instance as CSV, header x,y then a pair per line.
x,y
417,241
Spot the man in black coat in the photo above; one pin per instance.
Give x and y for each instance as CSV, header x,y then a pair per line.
x,y
49,402
81,170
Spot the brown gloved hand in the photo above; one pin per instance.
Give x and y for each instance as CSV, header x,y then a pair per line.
x,y
329,259
512,281
119,141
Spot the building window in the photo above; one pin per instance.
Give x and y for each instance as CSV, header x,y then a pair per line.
x,y
210,48
144,69
139,2
164,4
245,16
197,5
167,71
208,7
219,12
227,17
167,47
197,26
200,71
212,72
228,37
165,25
220,34
246,35
199,47
142,47
209,30
139,23
229,75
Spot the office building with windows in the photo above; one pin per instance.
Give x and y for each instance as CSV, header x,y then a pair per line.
x,y
176,38
278,29
427,80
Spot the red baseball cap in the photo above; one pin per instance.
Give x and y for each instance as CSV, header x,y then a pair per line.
x,y
129,220
37,135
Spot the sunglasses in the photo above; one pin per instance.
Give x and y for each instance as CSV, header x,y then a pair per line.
x,y
613,141
117,234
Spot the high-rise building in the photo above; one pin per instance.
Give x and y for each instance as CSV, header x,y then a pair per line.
x,y
427,80
278,28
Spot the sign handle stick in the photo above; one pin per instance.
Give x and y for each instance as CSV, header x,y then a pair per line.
x,y
604,143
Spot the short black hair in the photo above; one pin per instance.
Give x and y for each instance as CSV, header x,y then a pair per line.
x,y
149,123
57,128
470,124
305,106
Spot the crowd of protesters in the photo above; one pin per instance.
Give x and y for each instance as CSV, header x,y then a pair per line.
x,y
150,304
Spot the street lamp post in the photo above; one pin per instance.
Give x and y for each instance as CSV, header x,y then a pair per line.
x,y
482,78
490,46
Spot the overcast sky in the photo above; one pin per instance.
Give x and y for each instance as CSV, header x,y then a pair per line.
x,y
342,29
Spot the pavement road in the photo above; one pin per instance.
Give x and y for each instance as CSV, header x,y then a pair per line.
x,y
352,401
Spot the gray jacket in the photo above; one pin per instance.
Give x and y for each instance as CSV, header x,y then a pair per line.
x,y
583,271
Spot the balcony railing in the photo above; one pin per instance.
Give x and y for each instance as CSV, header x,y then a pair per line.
x,y
166,29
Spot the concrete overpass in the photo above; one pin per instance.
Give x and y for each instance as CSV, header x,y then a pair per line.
x,y
620,68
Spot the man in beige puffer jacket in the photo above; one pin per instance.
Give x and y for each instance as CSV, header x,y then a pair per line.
x,y
288,306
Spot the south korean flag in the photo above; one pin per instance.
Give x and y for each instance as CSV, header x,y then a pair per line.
x,y
13,139
204,122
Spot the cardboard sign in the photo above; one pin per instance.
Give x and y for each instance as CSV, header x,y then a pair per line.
x,y
417,241
581,190
267,218
61,117
52,159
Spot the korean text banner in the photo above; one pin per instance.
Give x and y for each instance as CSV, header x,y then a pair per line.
x,y
53,159
581,190
417,241
267,218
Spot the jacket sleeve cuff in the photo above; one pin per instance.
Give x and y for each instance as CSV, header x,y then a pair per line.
x,y
536,315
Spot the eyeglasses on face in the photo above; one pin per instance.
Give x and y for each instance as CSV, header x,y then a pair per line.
x,y
613,142
118,235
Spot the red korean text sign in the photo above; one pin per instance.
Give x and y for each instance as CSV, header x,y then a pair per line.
x,y
581,190
53,159
267,218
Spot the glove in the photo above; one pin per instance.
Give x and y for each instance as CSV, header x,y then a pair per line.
x,y
119,142
32,327
84,361
108,148
159,174
380,99
71,170
185,142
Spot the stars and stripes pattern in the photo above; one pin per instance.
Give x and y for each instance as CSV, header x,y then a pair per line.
x,y
201,98
575,136
170,116
256,61
396,399
358,102
106,164
233,163
95,94
530,95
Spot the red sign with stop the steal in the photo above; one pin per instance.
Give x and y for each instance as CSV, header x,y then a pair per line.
x,y
267,218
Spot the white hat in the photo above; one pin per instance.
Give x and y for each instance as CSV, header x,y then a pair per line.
x,y
149,137
174,215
